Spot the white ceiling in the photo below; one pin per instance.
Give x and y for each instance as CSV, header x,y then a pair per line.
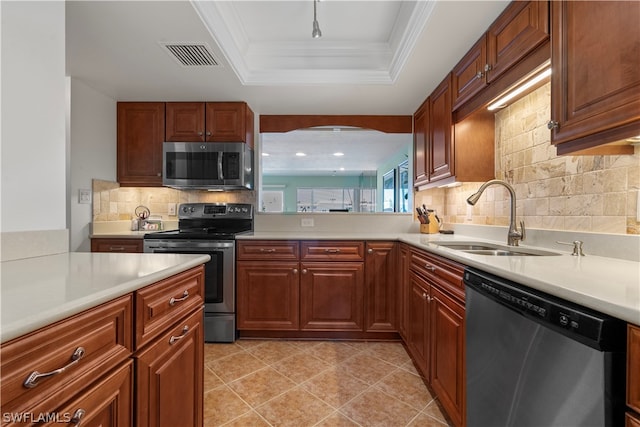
x,y
375,57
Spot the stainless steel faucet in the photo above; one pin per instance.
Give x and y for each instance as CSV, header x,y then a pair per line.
x,y
514,235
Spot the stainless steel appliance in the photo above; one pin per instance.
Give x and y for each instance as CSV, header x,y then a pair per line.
x,y
210,228
207,166
536,360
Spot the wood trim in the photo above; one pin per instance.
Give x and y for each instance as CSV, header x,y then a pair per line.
x,y
286,123
321,335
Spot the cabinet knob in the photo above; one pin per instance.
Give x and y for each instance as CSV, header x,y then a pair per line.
x,y
159,174
208,133
552,124
370,251
487,67
479,75
295,271
425,296
199,133
304,271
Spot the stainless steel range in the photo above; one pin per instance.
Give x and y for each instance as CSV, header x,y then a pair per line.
x,y
210,228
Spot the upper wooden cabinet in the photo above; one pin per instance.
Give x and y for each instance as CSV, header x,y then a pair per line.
x,y
420,136
209,122
522,27
595,84
440,150
139,146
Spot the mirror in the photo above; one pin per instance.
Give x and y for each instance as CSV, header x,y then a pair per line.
x,y
335,169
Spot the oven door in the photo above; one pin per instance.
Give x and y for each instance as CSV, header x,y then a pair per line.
x,y
219,288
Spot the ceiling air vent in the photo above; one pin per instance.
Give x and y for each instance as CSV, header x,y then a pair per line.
x,y
191,54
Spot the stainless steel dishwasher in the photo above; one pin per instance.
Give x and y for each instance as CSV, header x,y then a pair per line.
x,y
536,360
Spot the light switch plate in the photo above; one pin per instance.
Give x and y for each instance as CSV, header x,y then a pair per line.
x,y
84,196
638,207
171,209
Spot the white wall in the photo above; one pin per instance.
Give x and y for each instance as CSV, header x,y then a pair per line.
x,y
33,182
93,154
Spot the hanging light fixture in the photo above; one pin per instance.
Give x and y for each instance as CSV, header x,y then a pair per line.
x,y
316,33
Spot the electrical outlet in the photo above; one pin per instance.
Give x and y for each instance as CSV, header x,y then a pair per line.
x,y
307,222
171,209
84,196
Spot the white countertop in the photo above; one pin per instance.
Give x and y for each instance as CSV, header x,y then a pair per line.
x,y
39,291
608,285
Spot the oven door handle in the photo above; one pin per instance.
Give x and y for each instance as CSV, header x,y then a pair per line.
x,y
220,168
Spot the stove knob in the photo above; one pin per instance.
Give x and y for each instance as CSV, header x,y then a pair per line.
x,y
245,210
193,209
237,209
185,209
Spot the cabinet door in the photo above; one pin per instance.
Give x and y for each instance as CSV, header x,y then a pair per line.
x,y
140,137
170,375
522,27
380,292
420,136
108,402
447,354
331,296
117,245
418,326
440,143
595,84
185,121
633,367
631,420
268,295
225,121
468,76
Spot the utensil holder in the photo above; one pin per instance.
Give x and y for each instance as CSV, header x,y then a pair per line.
x,y
432,228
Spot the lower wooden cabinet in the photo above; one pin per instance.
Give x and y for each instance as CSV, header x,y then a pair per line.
x,y
331,295
107,403
169,376
633,375
435,327
117,245
316,286
268,294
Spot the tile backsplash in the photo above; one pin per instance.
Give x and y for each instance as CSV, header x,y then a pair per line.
x,y
572,193
114,203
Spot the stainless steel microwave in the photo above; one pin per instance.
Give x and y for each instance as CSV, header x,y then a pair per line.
x,y
207,165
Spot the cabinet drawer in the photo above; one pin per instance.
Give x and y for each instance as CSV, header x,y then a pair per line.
x,y
101,335
162,304
445,273
332,251
271,250
633,367
116,245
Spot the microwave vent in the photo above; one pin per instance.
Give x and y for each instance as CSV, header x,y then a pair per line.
x,y
192,54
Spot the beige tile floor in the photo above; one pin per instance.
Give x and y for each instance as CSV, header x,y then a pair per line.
x,y
315,383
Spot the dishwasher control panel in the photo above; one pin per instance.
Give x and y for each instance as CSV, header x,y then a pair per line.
x,y
581,323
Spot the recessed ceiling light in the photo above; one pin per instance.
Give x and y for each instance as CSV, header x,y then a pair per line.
x,y
341,169
338,154
300,154
265,154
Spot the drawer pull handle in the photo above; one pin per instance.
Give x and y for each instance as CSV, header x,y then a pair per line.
x,y
332,251
76,419
268,251
430,267
116,248
173,300
34,377
173,338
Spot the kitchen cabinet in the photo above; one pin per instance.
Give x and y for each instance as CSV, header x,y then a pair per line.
x,y
316,288
134,245
268,285
632,420
435,328
633,370
209,122
440,150
420,137
403,289
140,135
595,84
381,287
92,346
521,28
169,356
331,295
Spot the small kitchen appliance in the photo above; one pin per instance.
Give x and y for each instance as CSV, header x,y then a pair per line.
x,y
210,228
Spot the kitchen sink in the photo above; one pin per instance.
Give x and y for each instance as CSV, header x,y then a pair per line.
x,y
481,248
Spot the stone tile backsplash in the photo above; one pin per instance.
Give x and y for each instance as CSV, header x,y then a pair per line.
x,y
114,203
572,193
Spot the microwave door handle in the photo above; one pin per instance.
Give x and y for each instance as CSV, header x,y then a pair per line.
x,y
220,171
